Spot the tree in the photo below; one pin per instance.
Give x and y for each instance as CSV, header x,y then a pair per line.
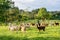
x,y
12,14
42,13
4,5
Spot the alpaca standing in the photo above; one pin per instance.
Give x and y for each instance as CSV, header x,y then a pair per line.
x,y
13,27
23,27
41,26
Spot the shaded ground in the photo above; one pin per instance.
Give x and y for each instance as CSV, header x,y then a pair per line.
x,y
24,38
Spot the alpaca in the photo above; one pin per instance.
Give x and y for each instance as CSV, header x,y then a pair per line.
x,y
23,27
13,27
41,26
56,23
27,25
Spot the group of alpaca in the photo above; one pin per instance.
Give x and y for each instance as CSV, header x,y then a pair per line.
x,y
23,26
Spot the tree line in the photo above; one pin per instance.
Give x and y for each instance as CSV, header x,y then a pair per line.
x,y
10,13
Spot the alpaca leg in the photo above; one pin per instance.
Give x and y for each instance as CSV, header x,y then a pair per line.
x,y
43,29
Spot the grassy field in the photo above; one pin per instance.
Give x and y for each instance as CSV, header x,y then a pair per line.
x,y
51,33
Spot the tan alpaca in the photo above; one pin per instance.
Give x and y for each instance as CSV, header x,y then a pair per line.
x,y
23,27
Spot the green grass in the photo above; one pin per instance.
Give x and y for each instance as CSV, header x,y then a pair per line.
x,y
51,33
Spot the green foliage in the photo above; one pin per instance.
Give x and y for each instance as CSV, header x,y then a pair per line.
x,y
49,16
4,5
55,15
42,13
11,14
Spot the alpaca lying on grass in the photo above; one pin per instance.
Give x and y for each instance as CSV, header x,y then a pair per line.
x,y
27,25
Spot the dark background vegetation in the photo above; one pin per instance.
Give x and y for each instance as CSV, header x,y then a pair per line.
x,y
10,13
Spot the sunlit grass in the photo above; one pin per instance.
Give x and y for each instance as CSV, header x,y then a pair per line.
x,y
51,33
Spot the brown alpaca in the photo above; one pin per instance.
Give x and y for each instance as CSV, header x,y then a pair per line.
x,y
32,24
41,26
56,23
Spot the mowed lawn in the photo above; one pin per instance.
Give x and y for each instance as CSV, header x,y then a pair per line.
x,y
51,33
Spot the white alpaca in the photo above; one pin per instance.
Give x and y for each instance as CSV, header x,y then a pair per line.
x,y
13,27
